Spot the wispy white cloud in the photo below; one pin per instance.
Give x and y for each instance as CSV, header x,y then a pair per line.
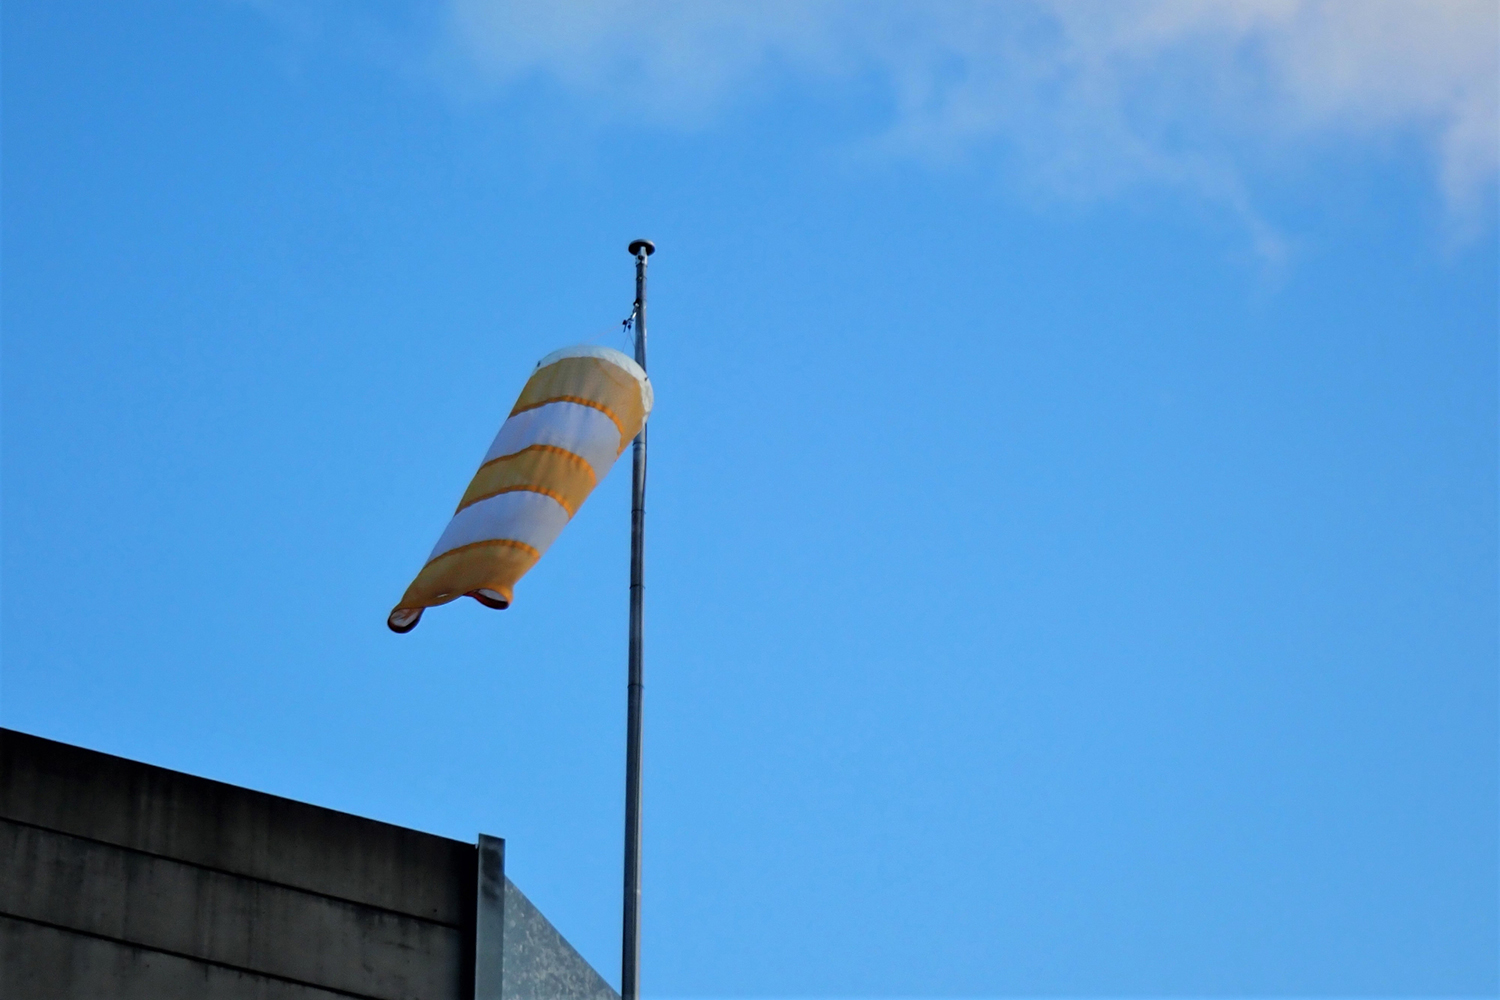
x,y
1089,97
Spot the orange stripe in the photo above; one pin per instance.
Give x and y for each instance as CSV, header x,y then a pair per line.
x,y
589,382
562,501
562,453
510,542
574,399
492,564
541,468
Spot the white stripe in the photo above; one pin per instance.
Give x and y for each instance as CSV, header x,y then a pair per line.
x,y
521,516
614,357
583,430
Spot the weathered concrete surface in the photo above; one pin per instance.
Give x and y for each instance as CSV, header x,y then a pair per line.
x,y
539,963
129,804
142,899
46,963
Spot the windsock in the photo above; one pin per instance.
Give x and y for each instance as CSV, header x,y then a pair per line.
x,y
579,410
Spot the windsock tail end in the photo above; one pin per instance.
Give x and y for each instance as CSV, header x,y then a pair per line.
x,y
491,598
403,620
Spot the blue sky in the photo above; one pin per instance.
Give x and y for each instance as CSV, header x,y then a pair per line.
x,y
1072,529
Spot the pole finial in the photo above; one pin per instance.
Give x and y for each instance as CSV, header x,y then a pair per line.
x,y
638,247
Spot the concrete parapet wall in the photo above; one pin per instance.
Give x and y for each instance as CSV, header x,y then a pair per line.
x,y
122,880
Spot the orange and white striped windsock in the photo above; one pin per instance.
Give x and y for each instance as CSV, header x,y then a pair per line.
x,y
579,410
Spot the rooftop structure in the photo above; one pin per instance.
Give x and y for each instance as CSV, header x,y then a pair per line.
x,y
123,880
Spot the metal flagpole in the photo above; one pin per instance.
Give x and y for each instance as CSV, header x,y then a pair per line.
x,y
630,957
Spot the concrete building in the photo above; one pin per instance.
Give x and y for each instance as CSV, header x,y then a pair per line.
x,y
122,880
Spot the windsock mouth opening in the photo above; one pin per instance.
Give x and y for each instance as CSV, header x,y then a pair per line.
x,y
403,620
619,359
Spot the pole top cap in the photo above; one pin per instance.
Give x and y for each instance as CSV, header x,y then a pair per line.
x,y
638,247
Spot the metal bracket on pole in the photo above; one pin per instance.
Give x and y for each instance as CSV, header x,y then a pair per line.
x,y
630,956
